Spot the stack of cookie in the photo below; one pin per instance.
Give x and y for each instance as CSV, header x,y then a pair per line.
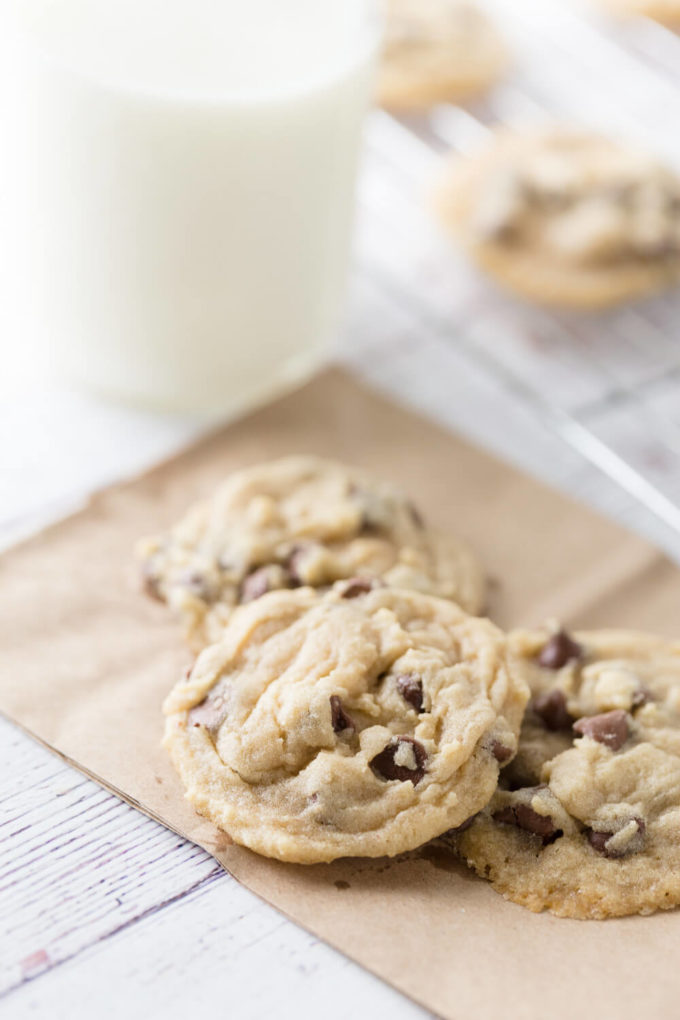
x,y
346,701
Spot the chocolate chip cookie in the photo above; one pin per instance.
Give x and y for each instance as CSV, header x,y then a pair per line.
x,y
586,820
437,51
567,218
299,521
359,722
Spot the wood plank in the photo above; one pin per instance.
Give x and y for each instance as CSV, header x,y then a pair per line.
x,y
88,885
77,863
217,949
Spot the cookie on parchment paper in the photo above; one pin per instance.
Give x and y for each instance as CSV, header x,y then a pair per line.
x,y
297,521
362,722
586,820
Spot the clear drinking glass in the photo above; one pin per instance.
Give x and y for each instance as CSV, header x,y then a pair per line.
x,y
179,177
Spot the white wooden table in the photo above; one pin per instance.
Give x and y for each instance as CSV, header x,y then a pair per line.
x,y
102,911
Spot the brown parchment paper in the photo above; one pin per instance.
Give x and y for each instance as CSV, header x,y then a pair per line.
x,y
86,661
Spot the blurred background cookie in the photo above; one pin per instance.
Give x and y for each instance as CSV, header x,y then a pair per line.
x,y
566,217
437,51
293,522
666,11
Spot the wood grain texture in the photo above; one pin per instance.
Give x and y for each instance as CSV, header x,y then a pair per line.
x,y
107,907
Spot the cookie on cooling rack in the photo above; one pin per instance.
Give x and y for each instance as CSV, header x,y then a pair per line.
x,y
565,217
362,722
586,821
299,521
437,51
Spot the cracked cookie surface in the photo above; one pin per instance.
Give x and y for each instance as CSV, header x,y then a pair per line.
x,y
586,820
566,217
345,724
437,51
293,522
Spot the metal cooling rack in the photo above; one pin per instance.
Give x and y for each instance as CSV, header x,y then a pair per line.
x,y
609,383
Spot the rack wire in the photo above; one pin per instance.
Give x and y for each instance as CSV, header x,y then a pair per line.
x,y
608,384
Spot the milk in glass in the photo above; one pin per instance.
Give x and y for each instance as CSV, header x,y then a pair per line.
x,y
181,177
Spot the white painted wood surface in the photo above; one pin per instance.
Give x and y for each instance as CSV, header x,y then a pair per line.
x,y
104,912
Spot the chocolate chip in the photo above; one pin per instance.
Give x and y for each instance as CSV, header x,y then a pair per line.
x,y
524,817
356,586
340,719
385,765
416,515
459,828
609,728
641,697
551,709
255,585
270,577
367,525
210,713
197,583
600,841
374,511
500,752
532,821
559,650
151,583
294,565
411,689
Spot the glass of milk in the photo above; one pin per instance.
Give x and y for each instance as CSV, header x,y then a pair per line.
x,y
180,179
